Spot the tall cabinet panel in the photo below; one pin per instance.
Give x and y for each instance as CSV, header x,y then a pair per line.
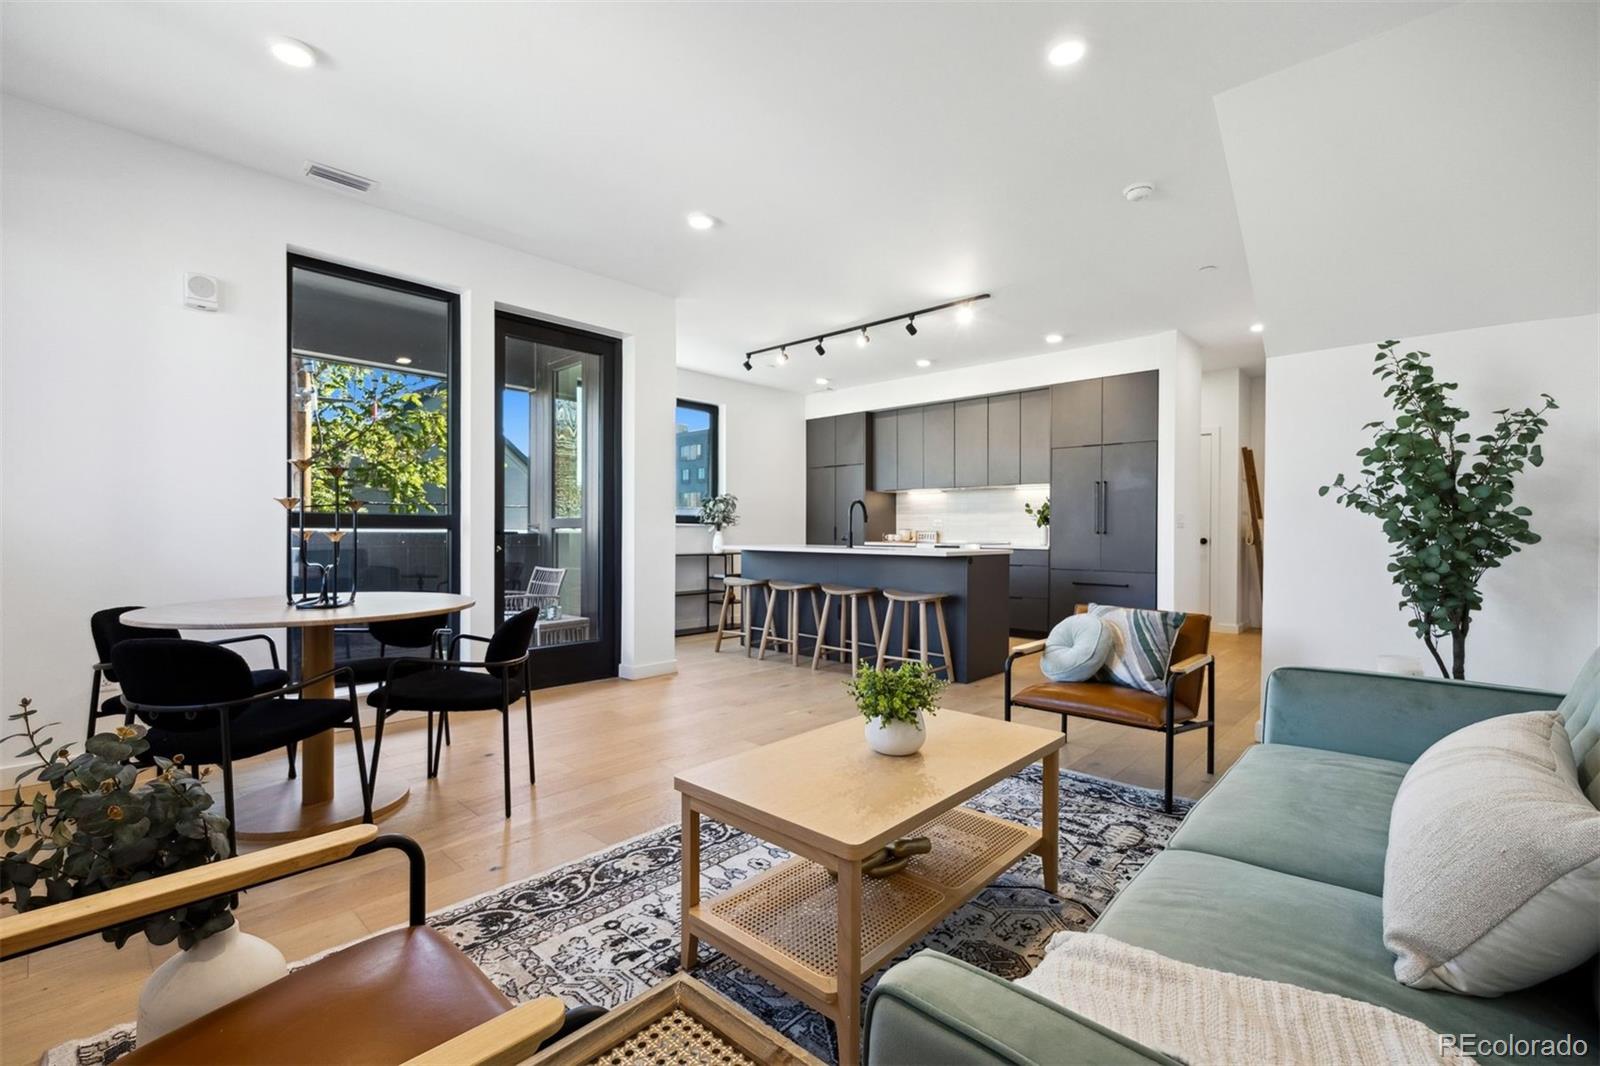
x,y
1075,413
850,439
972,443
908,425
885,452
1005,439
820,442
1128,507
819,505
1130,406
849,484
939,446
1035,437
1075,508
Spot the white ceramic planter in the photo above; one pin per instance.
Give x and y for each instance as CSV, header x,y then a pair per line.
x,y
218,970
716,542
896,738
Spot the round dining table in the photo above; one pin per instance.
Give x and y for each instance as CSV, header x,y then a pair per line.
x,y
280,811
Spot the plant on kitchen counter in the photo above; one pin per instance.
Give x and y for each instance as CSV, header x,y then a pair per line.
x,y
719,512
896,695
1041,517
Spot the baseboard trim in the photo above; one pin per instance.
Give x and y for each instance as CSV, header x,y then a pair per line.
x,y
1226,627
640,671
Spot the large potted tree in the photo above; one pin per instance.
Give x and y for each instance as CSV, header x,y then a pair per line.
x,y
1445,497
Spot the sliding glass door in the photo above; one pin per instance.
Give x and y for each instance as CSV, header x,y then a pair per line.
x,y
557,493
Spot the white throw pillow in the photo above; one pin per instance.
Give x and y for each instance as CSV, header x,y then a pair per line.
x,y
1492,878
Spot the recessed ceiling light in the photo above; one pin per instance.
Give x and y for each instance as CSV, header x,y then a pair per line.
x,y
924,363
700,220
1256,327
403,360
964,313
1068,52
1052,338
292,53
822,381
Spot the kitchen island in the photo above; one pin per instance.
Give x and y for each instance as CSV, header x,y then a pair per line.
x,y
975,581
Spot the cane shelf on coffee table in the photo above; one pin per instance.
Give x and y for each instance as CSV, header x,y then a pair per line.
x,y
832,801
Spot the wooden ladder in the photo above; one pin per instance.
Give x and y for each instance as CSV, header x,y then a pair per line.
x,y
1254,486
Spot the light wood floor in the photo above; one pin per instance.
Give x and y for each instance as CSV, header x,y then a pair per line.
x,y
607,754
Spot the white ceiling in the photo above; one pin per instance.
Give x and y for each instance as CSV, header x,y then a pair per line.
x,y
1440,176
865,159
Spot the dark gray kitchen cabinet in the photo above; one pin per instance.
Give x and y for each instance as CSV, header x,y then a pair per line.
x,y
1069,588
1075,413
820,441
972,443
885,452
1127,506
1005,439
1030,581
1130,406
1030,614
1075,508
1034,419
908,427
849,484
850,439
819,505
939,446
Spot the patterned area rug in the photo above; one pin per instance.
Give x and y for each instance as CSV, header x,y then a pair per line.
x,y
605,928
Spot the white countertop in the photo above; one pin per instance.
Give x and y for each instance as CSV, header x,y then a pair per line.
x,y
923,551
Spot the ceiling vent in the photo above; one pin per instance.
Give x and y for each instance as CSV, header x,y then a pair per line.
x,y
339,179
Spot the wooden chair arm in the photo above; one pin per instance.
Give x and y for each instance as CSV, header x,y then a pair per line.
x,y
1189,665
511,1038
21,933
1032,647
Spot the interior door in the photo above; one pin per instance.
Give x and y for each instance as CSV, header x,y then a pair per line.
x,y
1205,520
557,494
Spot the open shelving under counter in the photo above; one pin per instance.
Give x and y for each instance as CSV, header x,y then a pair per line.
x,y
697,589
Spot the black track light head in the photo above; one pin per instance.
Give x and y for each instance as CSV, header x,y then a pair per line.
x,y
747,363
911,325
820,349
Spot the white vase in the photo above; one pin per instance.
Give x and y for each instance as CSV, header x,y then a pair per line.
x,y
218,970
896,738
716,542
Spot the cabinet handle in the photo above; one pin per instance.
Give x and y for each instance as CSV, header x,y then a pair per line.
x,y
1101,584
1105,507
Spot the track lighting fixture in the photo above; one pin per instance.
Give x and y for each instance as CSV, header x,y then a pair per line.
x,y
964,314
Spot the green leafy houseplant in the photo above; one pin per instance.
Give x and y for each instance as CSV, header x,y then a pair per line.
x,y
1041,514
98,828
720,512
1448,512
896,695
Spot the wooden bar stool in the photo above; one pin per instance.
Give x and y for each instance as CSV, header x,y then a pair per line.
x,y
793,589
849,597
924,653
747,587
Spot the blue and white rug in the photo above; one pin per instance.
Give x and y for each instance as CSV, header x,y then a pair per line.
x,y
605,928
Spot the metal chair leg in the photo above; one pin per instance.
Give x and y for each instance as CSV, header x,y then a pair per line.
x,y
505,750
1169,735
291,751
1211,718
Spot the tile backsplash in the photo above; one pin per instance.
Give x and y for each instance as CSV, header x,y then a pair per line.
x,y
965,515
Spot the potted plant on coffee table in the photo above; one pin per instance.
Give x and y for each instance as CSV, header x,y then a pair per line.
x,y
894,702
94,826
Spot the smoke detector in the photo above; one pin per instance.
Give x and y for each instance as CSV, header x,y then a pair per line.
x,y
1139,190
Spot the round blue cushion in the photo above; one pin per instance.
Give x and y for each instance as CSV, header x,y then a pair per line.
x,y
1076,648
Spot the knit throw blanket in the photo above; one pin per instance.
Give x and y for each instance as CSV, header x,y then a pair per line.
x,y
1204,1016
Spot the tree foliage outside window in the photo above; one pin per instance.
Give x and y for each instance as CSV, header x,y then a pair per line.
x,y
568,459
391,428
1448,512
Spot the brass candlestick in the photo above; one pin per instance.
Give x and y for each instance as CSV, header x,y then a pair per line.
x,y
327,595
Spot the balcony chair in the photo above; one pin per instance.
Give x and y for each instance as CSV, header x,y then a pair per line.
x,y
1174,713
404,996
200,701
544,588
107,629
449,686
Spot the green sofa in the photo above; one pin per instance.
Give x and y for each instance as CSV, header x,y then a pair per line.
x,y
1277,873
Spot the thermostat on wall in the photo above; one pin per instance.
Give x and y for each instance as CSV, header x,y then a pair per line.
x,y
201,292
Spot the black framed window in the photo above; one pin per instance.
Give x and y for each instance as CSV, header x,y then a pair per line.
x,y
694,477
372,369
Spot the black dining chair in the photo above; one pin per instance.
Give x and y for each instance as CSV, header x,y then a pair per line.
x,y
108,629
447,686
200,701
430,632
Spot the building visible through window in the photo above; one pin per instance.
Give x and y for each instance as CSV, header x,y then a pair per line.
x,y
696,449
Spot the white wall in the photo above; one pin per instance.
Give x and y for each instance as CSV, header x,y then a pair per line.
x,y
1329,601
1177,466
1224,408
761,456
143,442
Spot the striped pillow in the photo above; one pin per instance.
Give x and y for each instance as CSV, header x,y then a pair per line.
x,y
1141,646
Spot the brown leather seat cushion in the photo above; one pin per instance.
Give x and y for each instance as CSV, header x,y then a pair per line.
x,y
383,1000
1108,703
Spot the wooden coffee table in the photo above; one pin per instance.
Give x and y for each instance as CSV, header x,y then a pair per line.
x,y
832,801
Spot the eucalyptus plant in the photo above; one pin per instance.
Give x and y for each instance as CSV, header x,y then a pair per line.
x,y
95,827
896,695
720,512
1444,497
